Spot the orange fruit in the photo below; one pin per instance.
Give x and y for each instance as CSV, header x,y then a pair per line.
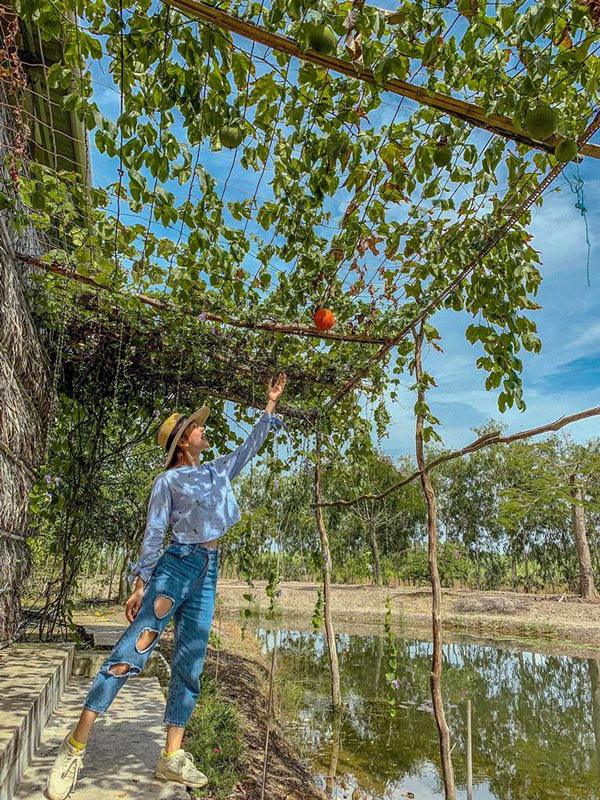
x,y
324,319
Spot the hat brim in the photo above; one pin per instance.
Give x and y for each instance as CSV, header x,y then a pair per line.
x,y
199,416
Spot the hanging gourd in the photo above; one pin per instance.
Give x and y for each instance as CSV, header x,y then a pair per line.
x,y
322,39
541,122
324,319
566,150
442,155
232,135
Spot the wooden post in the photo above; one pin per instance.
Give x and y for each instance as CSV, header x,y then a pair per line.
x,y
435,680
469,754
269,717
335,753
336,697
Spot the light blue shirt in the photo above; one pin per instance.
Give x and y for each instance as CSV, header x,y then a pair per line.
x,y
198,501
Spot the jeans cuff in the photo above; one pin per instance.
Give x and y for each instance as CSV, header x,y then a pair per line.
x,y
176,722
97,710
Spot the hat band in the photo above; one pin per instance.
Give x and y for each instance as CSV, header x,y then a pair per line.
x,y
174,432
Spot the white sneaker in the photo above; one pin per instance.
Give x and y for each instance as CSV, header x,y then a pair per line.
x,y
180,768
64,770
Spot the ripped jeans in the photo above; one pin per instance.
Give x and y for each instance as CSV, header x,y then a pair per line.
x,y
183,585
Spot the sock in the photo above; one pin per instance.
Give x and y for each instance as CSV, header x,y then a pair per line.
x,y
79,745
168,753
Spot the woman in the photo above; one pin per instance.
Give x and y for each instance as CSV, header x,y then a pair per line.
x,y
198,501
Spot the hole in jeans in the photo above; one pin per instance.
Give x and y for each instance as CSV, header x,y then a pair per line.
x,y
145,639
162,605
123,669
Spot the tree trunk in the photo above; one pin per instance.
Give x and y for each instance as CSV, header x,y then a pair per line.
x,y
587,588
594,672
336,698
513,572
124,572
330,783
376,558
113,559
435,679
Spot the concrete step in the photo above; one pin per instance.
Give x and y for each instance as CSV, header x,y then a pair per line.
x,y
86,664
122,751
32,677
105,634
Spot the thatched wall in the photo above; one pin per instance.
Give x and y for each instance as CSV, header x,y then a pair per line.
x,y
25,387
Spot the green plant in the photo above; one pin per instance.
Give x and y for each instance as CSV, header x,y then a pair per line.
x,y
214,737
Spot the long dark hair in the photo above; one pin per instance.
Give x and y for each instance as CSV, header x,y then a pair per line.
x,y
178,456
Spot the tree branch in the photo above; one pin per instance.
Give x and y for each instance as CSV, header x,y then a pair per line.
x,y
483,441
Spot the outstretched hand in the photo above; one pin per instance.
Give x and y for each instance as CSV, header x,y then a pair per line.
x,y
275,390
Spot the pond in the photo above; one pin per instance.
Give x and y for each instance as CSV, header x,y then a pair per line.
x,y
536,718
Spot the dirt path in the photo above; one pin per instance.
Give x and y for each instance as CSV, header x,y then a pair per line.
x,y
553,619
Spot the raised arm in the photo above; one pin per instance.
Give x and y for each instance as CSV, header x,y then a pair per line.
x,y
235,461
159,512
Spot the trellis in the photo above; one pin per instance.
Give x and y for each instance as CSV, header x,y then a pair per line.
x,y
106,301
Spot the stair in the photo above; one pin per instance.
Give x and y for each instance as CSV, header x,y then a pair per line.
x,y
86,664
33,678
43,688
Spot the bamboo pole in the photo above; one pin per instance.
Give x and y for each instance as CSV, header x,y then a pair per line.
x,y
469,112
336,697
469,754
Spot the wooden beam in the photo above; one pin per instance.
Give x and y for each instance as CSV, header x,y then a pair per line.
x,y
160,305
469,112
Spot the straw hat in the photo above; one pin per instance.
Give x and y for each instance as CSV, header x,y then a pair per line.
x,y
170,431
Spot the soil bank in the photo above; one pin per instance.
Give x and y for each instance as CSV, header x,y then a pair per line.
x,y
243,675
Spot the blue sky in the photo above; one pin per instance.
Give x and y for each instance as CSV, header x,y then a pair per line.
x,y
563,378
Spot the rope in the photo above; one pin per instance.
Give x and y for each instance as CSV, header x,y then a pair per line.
x,y
576,186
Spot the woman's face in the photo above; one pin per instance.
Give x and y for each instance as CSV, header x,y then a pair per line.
x,y
196,437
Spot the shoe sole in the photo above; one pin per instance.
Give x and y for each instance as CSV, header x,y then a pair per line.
x,y
197,785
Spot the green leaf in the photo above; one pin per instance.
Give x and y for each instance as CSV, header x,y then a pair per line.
x,y
241,67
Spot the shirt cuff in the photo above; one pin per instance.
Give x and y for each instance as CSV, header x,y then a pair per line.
x,y
275,420
134,571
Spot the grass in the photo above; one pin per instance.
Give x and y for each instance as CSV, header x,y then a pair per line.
x,y
213,736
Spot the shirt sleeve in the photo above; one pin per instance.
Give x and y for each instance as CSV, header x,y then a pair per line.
x,y
157,521
235,461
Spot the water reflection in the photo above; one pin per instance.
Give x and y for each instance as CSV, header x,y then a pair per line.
x,y
536,719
